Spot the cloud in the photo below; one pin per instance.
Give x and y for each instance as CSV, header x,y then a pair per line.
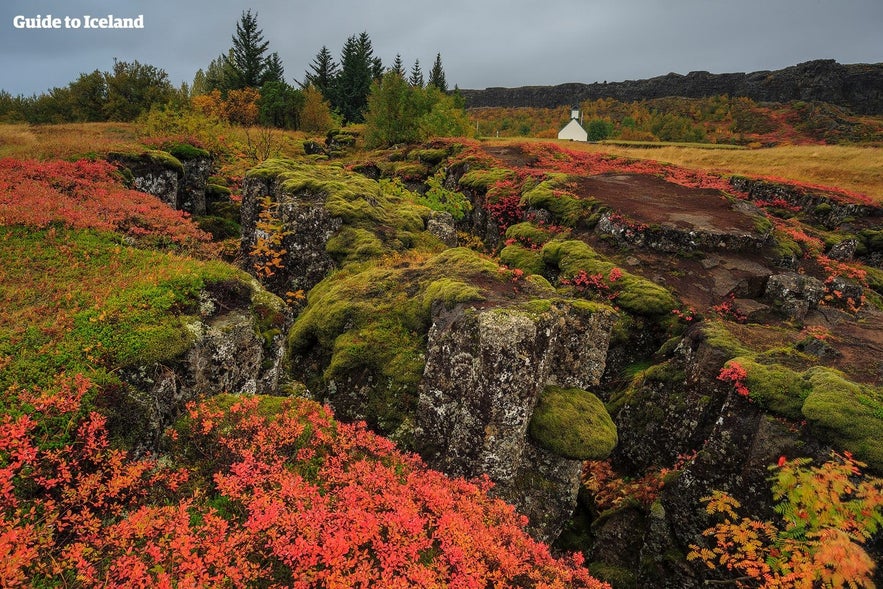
x,y
482,43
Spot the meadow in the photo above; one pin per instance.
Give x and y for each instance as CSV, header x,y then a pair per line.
x,y
853,168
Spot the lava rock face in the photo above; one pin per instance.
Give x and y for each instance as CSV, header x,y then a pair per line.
x,y
485,370
855,86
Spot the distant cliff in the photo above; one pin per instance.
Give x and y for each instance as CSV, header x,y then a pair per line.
x,y
855,86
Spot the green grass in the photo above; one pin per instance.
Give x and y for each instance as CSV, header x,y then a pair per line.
x,y
82,301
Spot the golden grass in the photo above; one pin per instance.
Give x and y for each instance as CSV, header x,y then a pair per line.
x,y
856,169
67,141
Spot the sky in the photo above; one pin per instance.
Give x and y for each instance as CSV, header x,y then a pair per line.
x,y
483,43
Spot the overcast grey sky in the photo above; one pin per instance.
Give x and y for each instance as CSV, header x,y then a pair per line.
x,y
482,42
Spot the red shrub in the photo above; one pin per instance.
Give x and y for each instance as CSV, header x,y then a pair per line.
x,y
84,195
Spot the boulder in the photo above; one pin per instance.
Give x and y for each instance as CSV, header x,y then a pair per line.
x,y
485,372
154,172
237,347
794,295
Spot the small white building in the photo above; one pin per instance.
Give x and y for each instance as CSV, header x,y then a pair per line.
x,y
573,131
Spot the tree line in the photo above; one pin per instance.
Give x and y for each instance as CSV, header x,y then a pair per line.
x,y
246,85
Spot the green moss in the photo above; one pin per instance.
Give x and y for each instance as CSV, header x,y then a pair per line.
x,y
537,306
849,415
618,577
95,321
185,151
385,208
450,292
464,262
566,208
775,387
635,294
484,179
217,192
527,260
762,224
151,156
429,156
717,335
369,319
573,423
539,283
529,234
219,227
354,244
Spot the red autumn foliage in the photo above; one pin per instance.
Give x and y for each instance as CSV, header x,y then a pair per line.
x,y
735,373
271,492
549,156
86,195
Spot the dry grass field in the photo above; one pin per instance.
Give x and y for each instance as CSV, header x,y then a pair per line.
x,y
858,169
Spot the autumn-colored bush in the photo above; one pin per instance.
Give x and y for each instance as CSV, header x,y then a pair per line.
x,y
826,513
267,491
87,195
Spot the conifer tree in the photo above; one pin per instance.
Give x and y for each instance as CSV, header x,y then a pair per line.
x,y
274,72
324,71
397,66
246,60
437,75
358,69
416,79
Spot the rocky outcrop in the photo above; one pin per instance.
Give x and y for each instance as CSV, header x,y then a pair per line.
x,y
179,179
856,86
154,172
672,239
681,408
485,370
237,346
822,209
192,192
304,223
794,295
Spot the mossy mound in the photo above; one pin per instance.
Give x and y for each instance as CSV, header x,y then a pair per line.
x,y
379,216
846,414
573,423
633,293
186,152
483,179
849,415
78,301
369,320
529,234
551,194
775,387
527,260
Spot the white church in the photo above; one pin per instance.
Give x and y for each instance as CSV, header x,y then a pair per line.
x,y
573,131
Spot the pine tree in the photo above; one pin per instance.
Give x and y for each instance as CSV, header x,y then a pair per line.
x,y
274,72
324,71
437,75
219,74
200,84
397,66
416,79
247,61
358,69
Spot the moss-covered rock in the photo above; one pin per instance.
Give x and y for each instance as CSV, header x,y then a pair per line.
x,y
848,414
551,195
185,151
573,423
527,260
634,294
